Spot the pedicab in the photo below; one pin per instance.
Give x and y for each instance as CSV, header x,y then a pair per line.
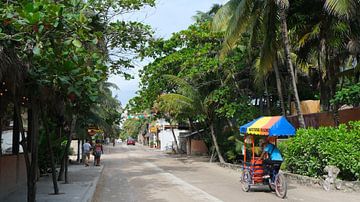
x,y
270,127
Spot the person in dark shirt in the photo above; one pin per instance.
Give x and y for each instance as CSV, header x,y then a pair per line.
x,y
272,158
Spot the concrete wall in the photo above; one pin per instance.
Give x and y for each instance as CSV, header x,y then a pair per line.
x,y
166,138
12,174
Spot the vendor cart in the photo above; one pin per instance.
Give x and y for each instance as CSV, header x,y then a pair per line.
x,y
256,131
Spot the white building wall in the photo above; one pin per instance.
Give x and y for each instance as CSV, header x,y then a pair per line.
x,y
165,136
167,139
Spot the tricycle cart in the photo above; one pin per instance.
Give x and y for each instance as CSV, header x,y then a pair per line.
x,y
270,128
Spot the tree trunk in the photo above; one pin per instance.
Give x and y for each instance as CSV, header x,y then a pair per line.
x,y
213,136
173,133
69,138
30,168
231,125
261,104
1,108
267,97
51,153
78,151
290,66
31,165
62,161
62,168
279,88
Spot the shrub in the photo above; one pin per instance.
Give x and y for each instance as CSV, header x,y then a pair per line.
x,y
312,149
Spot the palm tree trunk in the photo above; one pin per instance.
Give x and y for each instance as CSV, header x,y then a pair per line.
x,y
175,140
279,88
290,66
267,97
213,136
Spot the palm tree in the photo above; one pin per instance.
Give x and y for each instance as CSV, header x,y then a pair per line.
x,y
283,5
238,17
190,101
174,107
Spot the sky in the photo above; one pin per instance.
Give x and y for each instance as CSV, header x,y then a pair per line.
x,y
167,17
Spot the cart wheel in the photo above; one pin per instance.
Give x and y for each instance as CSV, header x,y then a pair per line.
x,y
245,181
280,185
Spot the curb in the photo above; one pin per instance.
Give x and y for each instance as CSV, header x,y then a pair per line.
x,y
89,194
346,186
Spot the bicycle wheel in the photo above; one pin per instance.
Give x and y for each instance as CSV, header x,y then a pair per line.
x,y
280,185
245,181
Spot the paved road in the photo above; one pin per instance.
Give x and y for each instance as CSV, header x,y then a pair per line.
x,y
135,173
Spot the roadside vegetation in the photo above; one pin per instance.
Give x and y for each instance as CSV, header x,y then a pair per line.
x,y
251,58
312,149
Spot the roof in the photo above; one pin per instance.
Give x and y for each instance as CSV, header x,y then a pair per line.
x,y
270,126
187,134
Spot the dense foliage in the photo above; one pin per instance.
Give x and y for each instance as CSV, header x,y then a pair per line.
x,y
312,149
243,70
348,95
56,56
132,128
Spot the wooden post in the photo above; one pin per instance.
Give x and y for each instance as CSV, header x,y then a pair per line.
x,y
244,150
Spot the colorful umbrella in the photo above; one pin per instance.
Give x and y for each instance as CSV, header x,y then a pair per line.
x,y
269,125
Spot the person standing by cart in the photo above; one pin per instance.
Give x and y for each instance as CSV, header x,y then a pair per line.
x,y
274,158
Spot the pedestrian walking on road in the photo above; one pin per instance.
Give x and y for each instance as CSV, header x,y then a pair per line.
x,y
98,150
87,150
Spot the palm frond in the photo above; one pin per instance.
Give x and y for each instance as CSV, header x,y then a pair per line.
x,y
184,87
342,8
223,15
238,25
176,99
268,50
261,73
111,85
313,34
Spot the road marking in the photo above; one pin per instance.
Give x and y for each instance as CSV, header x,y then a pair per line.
x,y
190,190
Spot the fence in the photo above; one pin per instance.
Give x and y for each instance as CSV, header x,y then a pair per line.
x,y
316,120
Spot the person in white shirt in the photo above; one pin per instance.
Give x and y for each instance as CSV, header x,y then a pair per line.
x,y
86,151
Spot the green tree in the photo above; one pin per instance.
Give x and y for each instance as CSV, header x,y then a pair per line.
x,y
237,17
64,47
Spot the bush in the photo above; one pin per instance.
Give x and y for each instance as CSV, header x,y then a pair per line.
x,y
312,149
